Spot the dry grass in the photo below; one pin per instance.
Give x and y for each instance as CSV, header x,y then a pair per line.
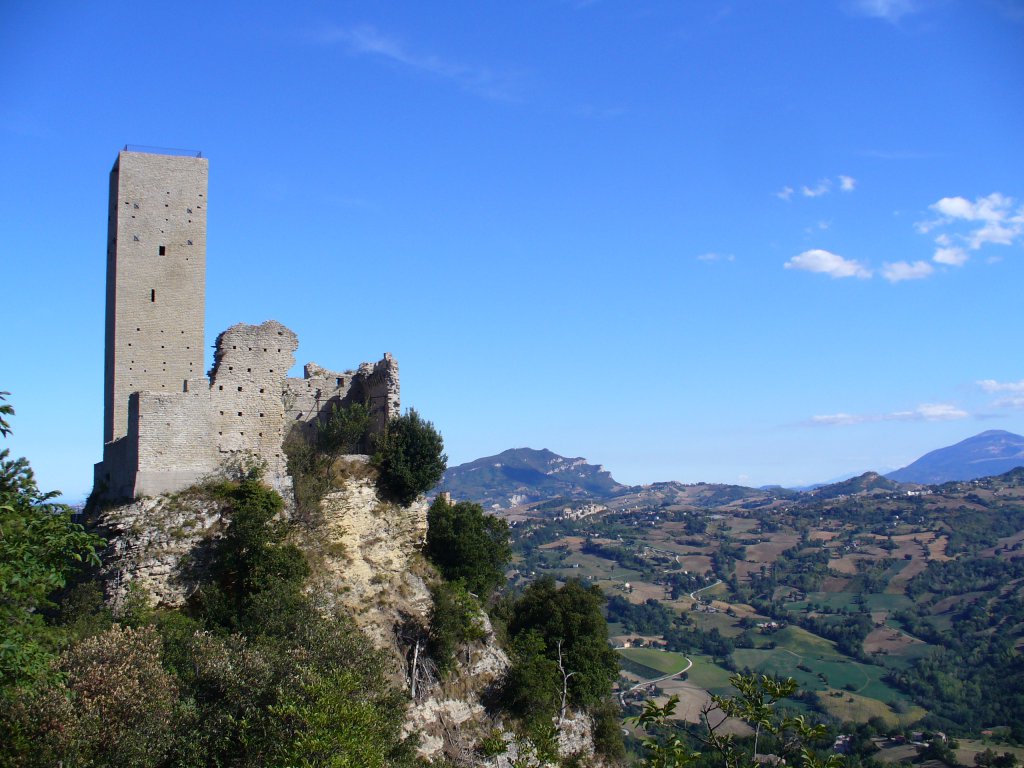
x,y
854,708
769,551
888,640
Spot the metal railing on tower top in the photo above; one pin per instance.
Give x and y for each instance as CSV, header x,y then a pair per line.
x,y
162,150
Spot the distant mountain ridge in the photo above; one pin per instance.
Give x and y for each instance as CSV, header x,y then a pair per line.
x,y
522,476
526,477
993,452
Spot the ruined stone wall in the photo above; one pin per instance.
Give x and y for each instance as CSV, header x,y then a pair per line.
x,y
312,397
171,431
246,391
245,410
381,387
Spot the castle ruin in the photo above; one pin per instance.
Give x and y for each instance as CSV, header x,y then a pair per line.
x,y
166,426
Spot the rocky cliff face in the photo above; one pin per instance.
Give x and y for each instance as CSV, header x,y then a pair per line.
x,y
366,558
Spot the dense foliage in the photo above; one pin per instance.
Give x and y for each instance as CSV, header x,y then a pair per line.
x,y
647,618
410,456
467,545
561,657
253,674
39,549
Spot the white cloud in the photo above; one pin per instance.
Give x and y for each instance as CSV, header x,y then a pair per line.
x,y
994,207
847,183
785,193
823,188
827,263
712,256
1010,402
932,412
991,385
970,225
366,40
953,256
840,419
897,271
923,412
889,10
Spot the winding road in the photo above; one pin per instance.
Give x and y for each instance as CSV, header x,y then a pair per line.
x,y
693,595
652,681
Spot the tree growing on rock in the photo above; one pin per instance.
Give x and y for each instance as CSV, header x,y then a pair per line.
x,y
410,456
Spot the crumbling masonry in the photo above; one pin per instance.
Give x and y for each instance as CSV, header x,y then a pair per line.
x,y
166,425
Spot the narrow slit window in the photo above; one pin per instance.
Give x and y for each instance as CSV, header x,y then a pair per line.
x,y
152,295
161,250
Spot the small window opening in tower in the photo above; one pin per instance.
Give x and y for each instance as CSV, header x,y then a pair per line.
x,y
339,381
161,250
152,295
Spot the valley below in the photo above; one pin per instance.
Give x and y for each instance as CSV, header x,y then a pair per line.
x,y
895,605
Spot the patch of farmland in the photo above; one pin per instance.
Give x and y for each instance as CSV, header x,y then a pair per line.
x,y
744,569
769,551
692,701
695,563
823,535
741,525
662,662
847,564
937,548
889,640
709,676
835,584
642,591
853,707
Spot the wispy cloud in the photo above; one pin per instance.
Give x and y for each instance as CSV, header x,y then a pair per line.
x,y
898,271
366,40
820,189
827,263
823,187
991,385
888,10
964,225
713,257
1014,390
923,412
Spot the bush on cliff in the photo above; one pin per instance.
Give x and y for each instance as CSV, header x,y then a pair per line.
x,y
410,457
467,544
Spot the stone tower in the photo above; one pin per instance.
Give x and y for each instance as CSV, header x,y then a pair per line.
x,y
156,279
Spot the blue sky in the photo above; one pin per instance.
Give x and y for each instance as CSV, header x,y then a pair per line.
x,y
772,241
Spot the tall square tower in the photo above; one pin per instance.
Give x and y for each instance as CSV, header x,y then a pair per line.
x,y
156,279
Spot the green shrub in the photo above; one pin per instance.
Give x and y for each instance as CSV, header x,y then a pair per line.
x,y
467,544
410,457
345,430
454,621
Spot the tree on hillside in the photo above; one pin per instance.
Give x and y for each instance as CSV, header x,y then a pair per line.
x,y
39,549
573,635
410,456
467,544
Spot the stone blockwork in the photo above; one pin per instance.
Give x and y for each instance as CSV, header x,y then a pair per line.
x,y
239,416
156,279
166,426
